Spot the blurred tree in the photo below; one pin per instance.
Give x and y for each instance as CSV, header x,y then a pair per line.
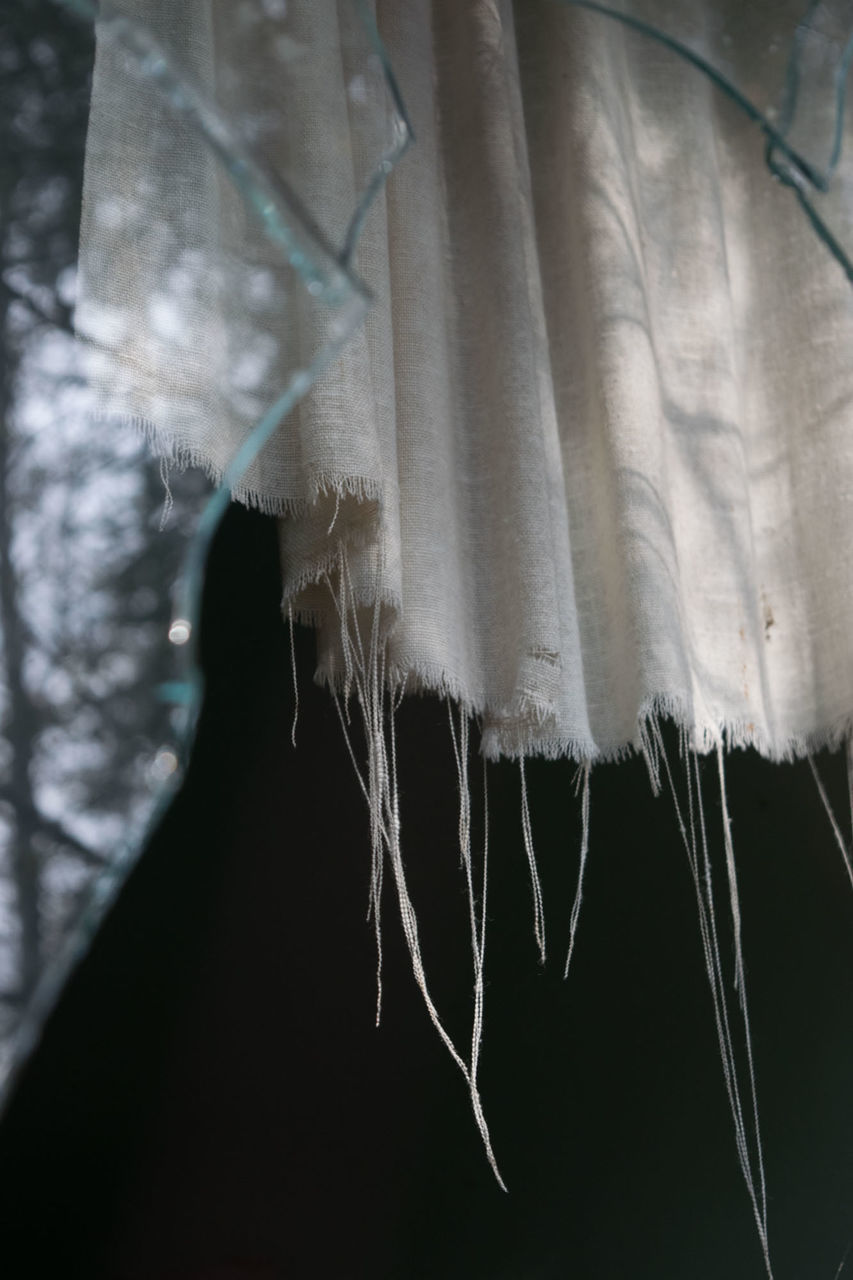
x,y
84,577
45,62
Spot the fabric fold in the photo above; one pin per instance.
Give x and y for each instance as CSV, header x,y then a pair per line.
x,y
590,455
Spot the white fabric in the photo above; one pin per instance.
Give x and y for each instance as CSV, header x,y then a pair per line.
x,y
593,449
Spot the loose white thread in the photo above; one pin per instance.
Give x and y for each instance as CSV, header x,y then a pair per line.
x,y
365,672
354,668
843,1262
730,869
535,885
724,1024
836,830
583,773
849,753
477,1030
460,753
382,788
168,501
702,882
293,672
649,749
735,903
335,516
478,930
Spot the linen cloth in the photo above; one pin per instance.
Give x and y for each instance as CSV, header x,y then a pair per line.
x,y
592,450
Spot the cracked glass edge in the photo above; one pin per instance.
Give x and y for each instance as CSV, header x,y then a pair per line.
x,y
785,162
329,277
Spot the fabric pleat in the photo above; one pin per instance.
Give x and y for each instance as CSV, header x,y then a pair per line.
x,y
592,451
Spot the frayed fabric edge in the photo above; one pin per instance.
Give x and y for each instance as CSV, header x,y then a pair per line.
x,y
175,453
519,739
518,733
379,688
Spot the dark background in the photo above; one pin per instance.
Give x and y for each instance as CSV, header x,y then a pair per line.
x,y
211,1099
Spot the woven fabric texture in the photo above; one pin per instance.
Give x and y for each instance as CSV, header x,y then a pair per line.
x,y
592,451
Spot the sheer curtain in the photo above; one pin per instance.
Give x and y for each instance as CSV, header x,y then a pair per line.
x,y
590,451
